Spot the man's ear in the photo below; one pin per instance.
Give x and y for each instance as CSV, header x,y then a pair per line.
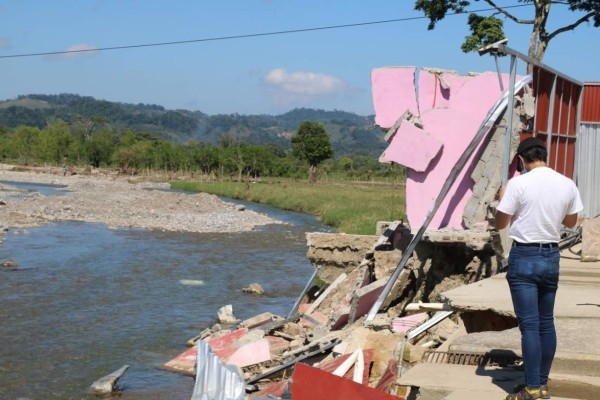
x,y
520,164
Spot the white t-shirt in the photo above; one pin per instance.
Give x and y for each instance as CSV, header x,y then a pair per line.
x,y
538,202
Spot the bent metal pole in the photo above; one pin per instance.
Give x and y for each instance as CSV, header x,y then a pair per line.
x,y
484,128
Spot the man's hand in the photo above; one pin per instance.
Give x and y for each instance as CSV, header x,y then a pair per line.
x,y
502,220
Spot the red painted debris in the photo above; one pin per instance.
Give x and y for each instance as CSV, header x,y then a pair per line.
x,y
309,383
183,363
388,377
340,318
276,388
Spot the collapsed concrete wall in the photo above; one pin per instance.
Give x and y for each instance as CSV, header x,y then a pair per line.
x,y
435,266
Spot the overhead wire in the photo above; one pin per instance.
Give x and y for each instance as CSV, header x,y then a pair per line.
x,y
244,36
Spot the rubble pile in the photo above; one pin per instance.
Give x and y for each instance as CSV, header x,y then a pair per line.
x,y
328,326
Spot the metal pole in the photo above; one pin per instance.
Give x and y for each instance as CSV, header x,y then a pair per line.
x,y
295,307
550,121
498,71
510,110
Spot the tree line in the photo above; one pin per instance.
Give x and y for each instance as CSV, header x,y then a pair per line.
x,y
95,142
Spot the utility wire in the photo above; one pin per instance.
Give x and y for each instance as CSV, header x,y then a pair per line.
x,y
251,35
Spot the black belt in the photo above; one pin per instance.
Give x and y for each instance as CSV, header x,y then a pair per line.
x,y
544,245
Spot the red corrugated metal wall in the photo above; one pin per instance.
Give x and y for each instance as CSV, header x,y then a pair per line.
x,y
556,118
590,110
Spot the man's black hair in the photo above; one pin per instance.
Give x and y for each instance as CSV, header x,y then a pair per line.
x,y
535,153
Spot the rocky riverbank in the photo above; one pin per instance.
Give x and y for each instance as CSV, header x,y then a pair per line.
x,y
117,201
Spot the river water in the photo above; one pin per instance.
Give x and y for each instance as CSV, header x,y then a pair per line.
x,y
87,299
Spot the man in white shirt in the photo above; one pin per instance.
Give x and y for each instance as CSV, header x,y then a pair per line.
x,y
536,204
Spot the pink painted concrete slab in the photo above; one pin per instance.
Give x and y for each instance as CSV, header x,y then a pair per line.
x,y
403,324
451,108
455,126
250,354
432,94
393,93
412,147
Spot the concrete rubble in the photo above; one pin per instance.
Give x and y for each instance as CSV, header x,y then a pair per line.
x,y
443,328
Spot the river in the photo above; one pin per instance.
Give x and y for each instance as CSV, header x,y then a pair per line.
x,y
87,299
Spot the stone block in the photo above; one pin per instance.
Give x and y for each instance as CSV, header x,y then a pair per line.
x,y
338,250
386,262
364,298
257,320
590,240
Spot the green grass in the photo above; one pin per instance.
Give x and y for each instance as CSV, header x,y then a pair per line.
x,y
348,207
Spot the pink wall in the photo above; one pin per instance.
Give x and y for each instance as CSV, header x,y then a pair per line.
x,y
451,108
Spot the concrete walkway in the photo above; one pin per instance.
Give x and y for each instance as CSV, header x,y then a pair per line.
x,y
576,368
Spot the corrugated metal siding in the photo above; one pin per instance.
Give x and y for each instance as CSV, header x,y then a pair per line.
x,y
588,163
556,107
590,111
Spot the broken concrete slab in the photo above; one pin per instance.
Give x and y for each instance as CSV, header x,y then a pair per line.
x,y
579,290
277,345
403,324
364,298
250,354
576,353
183,363
497,380
393,94
412,147
333,253
384,343
226,316
462,381
590,240
258,320
107,385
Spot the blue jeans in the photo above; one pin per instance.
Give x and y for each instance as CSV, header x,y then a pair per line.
x,y
533,280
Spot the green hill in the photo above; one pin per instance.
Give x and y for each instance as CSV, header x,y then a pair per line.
x,y
350,134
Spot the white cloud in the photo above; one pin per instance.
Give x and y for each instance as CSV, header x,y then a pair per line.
x,y
304,83
76,50
4,43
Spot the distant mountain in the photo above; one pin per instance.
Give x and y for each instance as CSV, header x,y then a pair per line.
x,y
350,134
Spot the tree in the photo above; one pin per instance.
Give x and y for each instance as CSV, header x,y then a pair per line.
x,y
488,30
312,144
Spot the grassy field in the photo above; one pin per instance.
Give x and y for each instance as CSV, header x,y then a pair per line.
x,y
348,207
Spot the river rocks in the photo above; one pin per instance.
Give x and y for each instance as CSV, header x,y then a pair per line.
x,y
114,201
226,316
10,264
254,288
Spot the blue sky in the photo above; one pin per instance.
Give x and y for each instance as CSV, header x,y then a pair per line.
x,y
326,69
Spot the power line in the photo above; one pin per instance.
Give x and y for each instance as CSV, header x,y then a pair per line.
x,y
251,35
